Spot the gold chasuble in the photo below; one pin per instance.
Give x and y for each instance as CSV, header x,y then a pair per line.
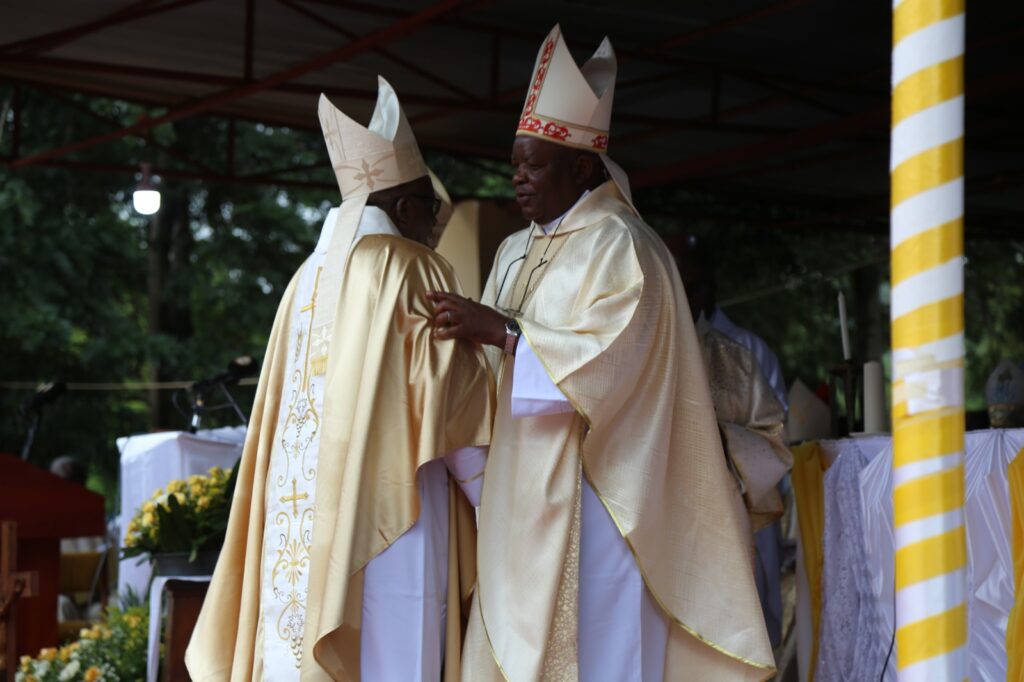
x,y
395,399
752,422
1015,626
602,306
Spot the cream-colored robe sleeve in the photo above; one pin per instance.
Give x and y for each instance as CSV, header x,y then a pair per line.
x,y
610,323
395,398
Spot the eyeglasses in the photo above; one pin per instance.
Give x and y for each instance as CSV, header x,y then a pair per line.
x,y
518,310
529,278
435,202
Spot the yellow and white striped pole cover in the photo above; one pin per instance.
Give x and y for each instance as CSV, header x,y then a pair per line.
x,y
927,208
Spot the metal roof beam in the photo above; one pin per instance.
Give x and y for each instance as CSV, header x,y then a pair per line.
x,y
179,174
199,78
250,39
705,164
137,10
110,123
726,25
387,54
368,42
446,105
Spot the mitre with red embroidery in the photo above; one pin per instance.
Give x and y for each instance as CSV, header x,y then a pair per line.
x,y
572,105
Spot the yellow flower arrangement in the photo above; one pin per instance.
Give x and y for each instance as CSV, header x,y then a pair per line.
x,y
112,650
185,516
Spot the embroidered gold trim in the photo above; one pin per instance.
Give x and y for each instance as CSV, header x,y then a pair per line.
x,y
636,557
487,635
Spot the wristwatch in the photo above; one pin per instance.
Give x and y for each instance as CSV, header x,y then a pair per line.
x,y
512,332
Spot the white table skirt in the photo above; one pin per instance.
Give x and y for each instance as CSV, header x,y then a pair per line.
x,y
990,563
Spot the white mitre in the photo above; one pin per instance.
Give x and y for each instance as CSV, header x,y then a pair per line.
x,y
571,105
369,159
379,156
366,160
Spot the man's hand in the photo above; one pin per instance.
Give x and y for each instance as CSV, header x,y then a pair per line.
x,y
456,317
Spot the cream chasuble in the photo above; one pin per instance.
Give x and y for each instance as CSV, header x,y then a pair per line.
x,y
752,422
602,308
340,474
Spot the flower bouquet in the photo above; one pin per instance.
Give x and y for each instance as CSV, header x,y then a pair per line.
x,y
112,651
183,528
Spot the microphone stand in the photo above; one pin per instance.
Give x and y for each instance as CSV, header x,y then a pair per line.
x,y
239,367
199,407
30,437
32,409
231,401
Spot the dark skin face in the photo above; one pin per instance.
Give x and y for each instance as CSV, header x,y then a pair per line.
x,y
548,179
411,208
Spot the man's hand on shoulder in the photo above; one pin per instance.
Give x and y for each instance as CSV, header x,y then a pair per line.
x,y
456,317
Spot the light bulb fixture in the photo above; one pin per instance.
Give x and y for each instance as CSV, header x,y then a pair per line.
x,y
146,198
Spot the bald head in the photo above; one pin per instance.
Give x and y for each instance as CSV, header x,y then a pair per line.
x,y
412,207
69,468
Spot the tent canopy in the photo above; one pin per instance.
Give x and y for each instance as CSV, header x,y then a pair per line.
x,y
784,101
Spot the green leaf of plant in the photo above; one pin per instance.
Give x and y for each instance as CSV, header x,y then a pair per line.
x,y
175,534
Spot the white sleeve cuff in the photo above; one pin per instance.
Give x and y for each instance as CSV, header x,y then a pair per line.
x,y
533,392
467,468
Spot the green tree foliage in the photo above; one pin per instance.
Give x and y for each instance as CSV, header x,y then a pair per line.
x,y
77,265
783,284
75,260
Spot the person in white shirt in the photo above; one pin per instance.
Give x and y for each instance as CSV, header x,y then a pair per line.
x,y
697,268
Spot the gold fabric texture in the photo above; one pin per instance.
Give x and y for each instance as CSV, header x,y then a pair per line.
x,y
561,662
608,318
752,422
809,466
396,398
1015,626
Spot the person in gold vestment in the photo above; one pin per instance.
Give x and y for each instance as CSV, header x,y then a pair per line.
x,y
350,550
613,544
750,402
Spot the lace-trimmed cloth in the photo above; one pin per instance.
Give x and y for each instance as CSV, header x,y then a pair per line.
x,y
849,646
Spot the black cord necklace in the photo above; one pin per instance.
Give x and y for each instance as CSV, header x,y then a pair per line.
x,y
526,252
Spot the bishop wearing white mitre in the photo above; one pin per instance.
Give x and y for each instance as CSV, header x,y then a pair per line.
x,y
350,549
613,542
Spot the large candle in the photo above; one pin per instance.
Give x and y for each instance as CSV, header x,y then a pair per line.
x,y
843,328
874,397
